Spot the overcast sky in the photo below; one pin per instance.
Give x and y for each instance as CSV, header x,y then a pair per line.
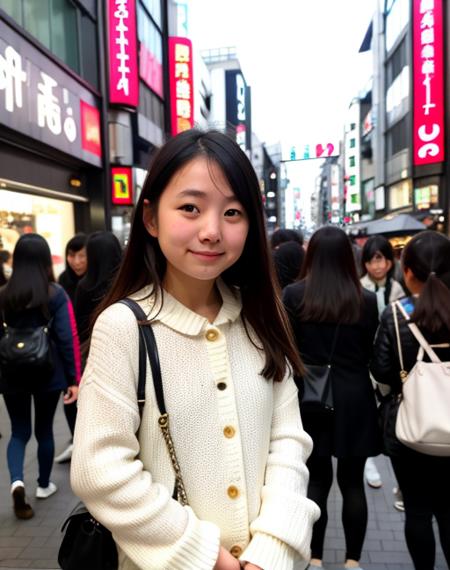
x,y
299,56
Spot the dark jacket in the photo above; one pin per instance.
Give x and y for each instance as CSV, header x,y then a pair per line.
x,y
64,343
385,366
352,429
69,280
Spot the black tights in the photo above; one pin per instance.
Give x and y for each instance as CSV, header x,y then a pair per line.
x,y
350,478
424,481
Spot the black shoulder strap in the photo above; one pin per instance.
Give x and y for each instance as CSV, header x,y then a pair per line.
x,y
147,345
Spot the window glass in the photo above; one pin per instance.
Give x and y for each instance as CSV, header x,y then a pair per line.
x,y
13,8
154,8
352,161
89,52
150,53
64,42
37,20
352,143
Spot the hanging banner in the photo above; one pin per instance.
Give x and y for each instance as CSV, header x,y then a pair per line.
x,y
122,185
181,84
123,58
428,81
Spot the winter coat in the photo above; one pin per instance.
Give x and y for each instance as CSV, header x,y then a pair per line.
x,y
352,429
64,344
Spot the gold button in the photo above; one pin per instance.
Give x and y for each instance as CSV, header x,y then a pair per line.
x,y
221,386
212,335
233,492
229,431
236,551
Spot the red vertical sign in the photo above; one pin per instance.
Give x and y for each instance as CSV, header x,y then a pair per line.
x,y
181,84
123,58
428,73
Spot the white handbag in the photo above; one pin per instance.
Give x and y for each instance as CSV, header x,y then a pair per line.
x,y
423,420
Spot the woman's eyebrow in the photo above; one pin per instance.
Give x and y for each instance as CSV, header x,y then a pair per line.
x,y
192,193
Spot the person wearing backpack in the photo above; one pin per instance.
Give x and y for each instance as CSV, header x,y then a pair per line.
x,y
423,477
39,358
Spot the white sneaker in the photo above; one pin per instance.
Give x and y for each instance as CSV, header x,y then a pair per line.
x,y
46,492
65,456
372,474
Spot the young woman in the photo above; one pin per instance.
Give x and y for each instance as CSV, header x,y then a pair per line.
x,y
423,479
378,269
198,263
76,264
334,322
32,299
378,266
76,267
104,255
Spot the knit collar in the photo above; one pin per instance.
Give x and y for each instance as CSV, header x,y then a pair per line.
x,y
178,317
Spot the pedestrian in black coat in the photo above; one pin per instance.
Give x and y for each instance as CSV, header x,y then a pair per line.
x,y
329,304
424,479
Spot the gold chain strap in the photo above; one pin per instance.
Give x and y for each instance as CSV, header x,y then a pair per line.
x,y
179,485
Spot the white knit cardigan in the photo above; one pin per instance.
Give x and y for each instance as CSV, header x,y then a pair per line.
x,y
238,438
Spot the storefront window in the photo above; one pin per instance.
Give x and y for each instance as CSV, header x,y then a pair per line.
x,y
37,20
64,32
13,8
27,213
426,197
400,195
150,52
154,8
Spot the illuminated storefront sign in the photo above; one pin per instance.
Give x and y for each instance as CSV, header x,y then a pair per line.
x,y
428,82
237,107
40,100
308,151
122,185
181,84
123,60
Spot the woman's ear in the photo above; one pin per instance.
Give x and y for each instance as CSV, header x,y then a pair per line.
x,y
149,219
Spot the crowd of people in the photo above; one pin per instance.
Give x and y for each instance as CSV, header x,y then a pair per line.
x,y
277,358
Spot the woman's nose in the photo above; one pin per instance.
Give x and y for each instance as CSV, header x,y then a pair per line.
x,y
210,230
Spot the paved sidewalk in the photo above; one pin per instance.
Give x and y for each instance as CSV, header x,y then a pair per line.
x,y
34,544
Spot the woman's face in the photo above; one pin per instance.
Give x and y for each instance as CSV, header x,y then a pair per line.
x,y
378,267
77,261
200,225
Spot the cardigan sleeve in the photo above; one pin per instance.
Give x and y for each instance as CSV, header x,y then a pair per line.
x,y
151,528
281,534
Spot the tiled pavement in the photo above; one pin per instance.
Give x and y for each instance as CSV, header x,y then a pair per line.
x,y
34,543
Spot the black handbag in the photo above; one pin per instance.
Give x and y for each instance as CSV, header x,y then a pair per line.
x,y
25,353
317,387
87,544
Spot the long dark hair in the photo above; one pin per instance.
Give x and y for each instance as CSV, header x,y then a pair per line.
x,y
427,255
28,287
104,255
333,292
253,272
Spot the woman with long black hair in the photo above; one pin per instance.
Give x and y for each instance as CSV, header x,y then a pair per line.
x,y
32,299
104,255
423,479
334,321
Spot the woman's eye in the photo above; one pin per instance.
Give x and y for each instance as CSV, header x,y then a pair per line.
x,y
190,208
232,212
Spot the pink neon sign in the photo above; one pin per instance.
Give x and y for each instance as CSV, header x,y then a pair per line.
x,y
428,81
123,60
181,84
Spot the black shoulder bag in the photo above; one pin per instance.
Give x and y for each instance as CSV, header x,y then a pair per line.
x,y
317,388
25,353
87,544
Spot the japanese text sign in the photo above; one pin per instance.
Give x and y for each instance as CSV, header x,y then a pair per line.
x,y
38,99
428,81
123,60
181,84
122,185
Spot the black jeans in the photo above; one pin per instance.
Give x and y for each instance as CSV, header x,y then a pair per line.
x,y
425,483
19,410
350,478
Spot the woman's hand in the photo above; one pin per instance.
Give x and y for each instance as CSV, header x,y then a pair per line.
x,y
226,561
71,395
